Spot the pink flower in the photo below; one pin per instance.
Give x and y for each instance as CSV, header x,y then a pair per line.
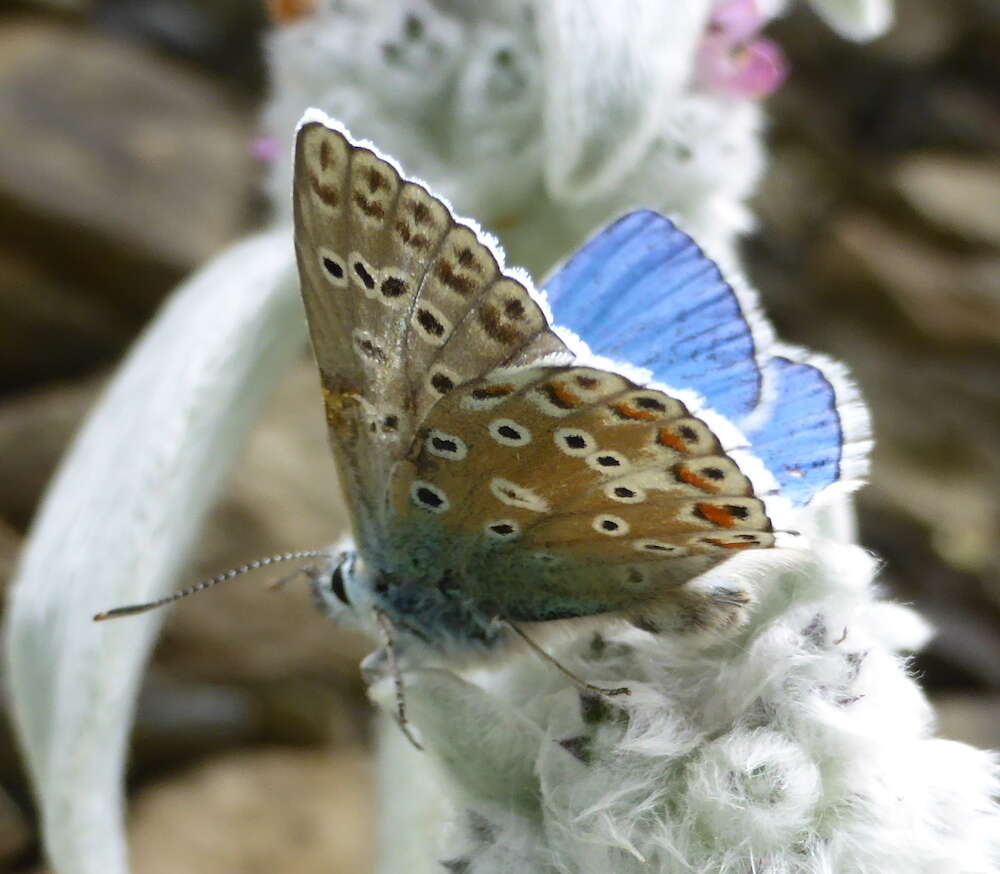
x,y
732,60
265,148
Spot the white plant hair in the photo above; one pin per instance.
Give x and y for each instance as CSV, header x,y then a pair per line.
x,y
789,747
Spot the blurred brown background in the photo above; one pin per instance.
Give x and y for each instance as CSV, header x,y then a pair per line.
x,y
125,160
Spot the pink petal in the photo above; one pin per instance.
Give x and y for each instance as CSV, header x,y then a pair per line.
x,y
264,148
735,21
750,70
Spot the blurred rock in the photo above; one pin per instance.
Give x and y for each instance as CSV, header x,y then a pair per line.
x,y
293,812
119,171
10,546
34,432
47,328
957,194
974,719
923,31
15,834
951,298
219,35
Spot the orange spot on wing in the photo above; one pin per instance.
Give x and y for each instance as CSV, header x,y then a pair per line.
x,y
716,515
495,391
692,479
744,544
666,437
561,396
627,412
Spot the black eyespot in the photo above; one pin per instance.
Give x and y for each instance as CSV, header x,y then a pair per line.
x,y
738,511
390,423
364,275
609,525
502,529
608,461
657,547
623,492
712,473
393,286
429,498
333,268
650,404
444,445
429,323
508,432
442,384
575,441
688,433
337,585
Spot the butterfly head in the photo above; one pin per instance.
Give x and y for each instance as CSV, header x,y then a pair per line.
x,y
340,587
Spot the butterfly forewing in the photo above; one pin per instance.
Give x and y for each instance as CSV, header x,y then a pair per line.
x,y
404,303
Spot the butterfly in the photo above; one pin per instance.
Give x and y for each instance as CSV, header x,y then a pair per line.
x,y
510,456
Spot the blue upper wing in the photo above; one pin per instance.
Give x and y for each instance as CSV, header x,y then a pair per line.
x,y
801,441
642,291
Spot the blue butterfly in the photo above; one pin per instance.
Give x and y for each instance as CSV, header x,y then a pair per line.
x,y
510,457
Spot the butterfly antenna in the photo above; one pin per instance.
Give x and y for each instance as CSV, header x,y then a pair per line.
x,y
133,609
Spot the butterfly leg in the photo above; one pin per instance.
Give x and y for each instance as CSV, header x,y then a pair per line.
x,y
370,667
582,684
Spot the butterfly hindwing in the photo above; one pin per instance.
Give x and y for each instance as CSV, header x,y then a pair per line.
x,y
581,467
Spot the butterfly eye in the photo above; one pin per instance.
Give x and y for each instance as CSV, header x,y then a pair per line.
x,y
337,585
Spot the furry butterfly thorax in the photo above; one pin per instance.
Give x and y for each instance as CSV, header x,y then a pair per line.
x,y
514,456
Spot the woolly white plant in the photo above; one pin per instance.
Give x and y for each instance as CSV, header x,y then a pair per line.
x,y
799,745
586,113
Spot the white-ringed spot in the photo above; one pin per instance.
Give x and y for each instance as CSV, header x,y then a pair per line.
x,y
624,494
612,526
369,351
442,380
363,274
574,442
657,547
517,496
428,496
394,287
608,461
507,432
334,268
431,324
446,445
503,529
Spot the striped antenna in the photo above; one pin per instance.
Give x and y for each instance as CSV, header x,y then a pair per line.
x,y
133,609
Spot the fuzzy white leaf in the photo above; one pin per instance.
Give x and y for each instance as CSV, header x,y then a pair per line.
x,y
117,525
860,20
